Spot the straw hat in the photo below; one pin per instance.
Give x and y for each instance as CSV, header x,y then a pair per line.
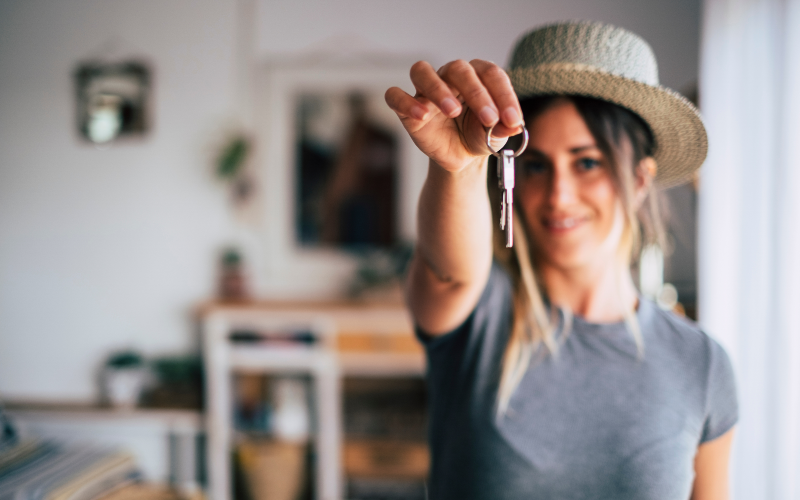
x,y
613,64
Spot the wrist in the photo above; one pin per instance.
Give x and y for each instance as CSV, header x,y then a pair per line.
x,y
467,168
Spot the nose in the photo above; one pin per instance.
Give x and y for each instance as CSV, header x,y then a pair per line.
x,y
562,187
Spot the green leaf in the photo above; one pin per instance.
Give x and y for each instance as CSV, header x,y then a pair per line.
x,y
232,158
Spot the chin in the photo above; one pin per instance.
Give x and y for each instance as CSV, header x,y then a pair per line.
x,y
566,264
567,258
567,250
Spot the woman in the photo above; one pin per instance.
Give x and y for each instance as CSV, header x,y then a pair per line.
x,y
549,376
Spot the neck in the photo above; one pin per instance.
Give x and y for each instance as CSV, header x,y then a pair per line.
x,y
600,293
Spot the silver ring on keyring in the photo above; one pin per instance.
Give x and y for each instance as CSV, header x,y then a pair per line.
x,y
517,152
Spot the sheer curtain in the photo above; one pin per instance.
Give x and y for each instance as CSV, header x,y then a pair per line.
x,y
749,230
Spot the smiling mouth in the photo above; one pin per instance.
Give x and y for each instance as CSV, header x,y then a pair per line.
x,y
563,223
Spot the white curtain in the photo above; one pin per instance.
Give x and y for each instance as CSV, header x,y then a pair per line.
x,y
749,230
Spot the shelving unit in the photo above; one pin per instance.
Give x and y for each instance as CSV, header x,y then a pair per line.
x,y
352,340
163,441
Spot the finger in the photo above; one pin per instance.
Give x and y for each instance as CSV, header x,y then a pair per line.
x,y
503,132
430,85
462,77
500,135
498,85
404,105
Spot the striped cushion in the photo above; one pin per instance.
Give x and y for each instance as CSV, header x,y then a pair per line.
x,y
43,470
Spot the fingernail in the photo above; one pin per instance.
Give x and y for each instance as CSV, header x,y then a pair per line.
x,y
418,112
487,116
449,106
511,117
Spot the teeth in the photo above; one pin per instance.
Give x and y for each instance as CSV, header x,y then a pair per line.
x,y
564,223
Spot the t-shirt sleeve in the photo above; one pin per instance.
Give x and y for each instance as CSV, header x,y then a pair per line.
x,y
722,408
496,285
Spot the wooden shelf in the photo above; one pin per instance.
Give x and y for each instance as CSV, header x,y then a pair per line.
x,y
36,410
352,339
386,458
267,358
382,365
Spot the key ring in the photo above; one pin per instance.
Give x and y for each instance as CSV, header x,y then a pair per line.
x,y
517,152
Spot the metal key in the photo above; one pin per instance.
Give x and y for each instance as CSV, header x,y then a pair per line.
x,y
505,181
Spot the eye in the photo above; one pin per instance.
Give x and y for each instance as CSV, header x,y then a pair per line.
x,y
531,166
588,163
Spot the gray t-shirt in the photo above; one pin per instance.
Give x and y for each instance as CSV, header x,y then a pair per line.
x,y
597,422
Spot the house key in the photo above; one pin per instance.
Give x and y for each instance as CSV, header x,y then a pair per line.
x,y
505,180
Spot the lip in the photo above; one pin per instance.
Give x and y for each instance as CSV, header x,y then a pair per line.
x,y
563,224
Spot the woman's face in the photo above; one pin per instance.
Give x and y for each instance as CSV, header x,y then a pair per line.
x,y
566,191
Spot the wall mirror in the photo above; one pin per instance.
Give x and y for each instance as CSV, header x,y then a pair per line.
x,y
340,174
346,163
112,100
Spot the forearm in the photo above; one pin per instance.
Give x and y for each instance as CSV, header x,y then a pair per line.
x,y
711,469
454,250
454,224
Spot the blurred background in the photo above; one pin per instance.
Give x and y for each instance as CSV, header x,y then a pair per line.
x,y
205,208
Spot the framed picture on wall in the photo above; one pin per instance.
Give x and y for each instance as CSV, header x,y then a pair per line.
x,y
340,175
346,170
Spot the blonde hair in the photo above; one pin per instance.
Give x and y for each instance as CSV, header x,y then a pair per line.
x,y
534,327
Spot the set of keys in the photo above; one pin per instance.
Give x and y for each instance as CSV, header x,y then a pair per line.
x,y
505,181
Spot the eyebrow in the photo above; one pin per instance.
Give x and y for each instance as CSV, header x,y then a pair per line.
x,y
583,148
575,150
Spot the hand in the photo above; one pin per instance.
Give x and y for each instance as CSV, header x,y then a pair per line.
x,y
447,116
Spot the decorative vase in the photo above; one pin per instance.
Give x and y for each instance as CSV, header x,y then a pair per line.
x,y
123,386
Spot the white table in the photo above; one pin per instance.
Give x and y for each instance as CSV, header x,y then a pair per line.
x,y
322,361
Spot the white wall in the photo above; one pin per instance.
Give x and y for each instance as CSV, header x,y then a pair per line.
x,y
441,30
100,249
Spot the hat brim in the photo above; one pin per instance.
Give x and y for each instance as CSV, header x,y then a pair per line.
x,y
681,143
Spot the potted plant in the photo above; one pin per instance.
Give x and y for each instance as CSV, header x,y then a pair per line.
x,y
123,378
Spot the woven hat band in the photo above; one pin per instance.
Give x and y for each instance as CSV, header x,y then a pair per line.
x,y
591,45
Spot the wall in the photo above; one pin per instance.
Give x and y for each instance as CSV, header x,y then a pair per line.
x,y
443,30
106,248
101,249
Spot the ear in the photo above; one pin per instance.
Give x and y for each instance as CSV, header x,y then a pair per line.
x,y
645,173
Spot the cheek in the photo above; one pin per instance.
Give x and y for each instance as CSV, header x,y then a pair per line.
x,y
603,197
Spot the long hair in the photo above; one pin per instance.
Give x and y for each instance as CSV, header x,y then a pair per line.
x,y
534,324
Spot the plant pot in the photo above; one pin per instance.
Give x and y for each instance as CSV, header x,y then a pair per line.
x,y
122,387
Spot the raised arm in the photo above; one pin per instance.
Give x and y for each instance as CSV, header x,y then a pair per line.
x,y
446,120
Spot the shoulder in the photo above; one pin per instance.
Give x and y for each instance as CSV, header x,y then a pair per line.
x,y
496,295
483,333
684,349
469,356
679,334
